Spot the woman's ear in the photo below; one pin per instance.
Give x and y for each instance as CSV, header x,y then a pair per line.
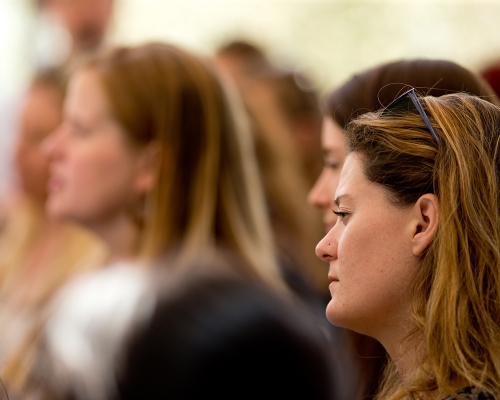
x,y
147,167
426,213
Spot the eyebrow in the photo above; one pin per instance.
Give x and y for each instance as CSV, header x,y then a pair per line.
x,y
342,196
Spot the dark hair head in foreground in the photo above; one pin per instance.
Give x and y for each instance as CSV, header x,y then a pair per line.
x,y
205,335
221,338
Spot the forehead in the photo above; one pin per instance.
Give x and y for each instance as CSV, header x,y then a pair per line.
x,y
353,183
352,171
332,136
86,93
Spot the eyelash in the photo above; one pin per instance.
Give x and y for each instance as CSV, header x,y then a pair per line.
x,y
340,214
332,165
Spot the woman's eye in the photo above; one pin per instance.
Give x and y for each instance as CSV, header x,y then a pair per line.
x,y
79,130
332,165
340,214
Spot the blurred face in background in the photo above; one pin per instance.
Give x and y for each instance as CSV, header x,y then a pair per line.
x,y
41,114
86,20
96,174
322,194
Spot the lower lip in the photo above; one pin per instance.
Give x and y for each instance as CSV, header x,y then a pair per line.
x,y
54,185
332,283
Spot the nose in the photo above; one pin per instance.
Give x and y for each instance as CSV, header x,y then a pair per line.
x,y
319,196
326,250
51,145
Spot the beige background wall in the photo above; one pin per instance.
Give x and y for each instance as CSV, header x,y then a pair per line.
x,y
329,38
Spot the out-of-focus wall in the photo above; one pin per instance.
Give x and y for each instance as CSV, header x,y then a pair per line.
x,y
331,39
16,31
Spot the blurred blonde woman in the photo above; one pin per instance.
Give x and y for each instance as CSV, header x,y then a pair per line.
x,y
153,157
38,253
419,194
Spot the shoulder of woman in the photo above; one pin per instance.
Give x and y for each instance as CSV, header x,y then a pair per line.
x,y
473,394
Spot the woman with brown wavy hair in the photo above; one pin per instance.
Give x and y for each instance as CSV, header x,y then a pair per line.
x,y
414,254
365,91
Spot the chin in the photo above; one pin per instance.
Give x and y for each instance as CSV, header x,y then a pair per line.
x,y
51,207
333,315
340,317
55,209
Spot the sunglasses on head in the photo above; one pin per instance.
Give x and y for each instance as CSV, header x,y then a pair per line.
x,y
414,99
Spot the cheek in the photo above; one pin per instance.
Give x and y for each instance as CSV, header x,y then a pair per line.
x,y
357,254
368,251
101,173
31,163
84,167
374,267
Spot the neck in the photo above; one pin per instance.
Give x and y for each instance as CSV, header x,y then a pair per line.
x,y
406,352
47,225
121,235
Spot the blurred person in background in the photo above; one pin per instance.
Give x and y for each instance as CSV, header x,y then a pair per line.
x,y
38,253
366,91
286,121
64,32
491,73
202,335
154,157
243,61
295,93
70,29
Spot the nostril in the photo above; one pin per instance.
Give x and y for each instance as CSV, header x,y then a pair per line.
x,y
324,257
325,250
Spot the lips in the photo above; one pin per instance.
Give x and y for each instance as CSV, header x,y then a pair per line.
x,y
332,279
55,184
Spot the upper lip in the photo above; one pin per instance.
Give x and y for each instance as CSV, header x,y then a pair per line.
x,y
332,278
54,180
